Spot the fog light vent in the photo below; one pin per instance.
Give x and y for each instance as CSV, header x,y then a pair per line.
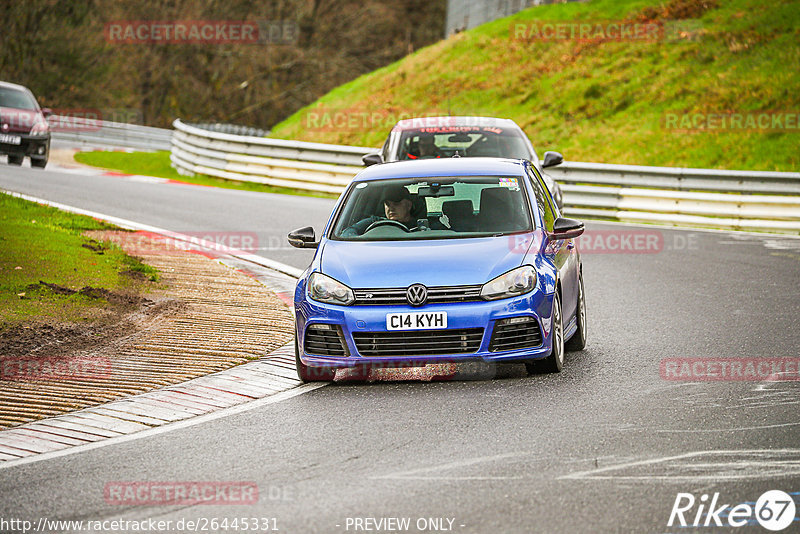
x,y
515,333
325,340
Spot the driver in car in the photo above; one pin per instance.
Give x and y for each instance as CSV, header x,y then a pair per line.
x,y
397,205
427,148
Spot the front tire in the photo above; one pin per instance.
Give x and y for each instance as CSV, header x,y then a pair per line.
x,y
578,339
39,163
308,373
15,160
555,362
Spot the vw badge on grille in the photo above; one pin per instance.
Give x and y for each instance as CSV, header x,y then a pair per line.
x,y
417,294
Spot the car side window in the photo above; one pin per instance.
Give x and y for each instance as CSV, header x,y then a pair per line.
x,y
543,200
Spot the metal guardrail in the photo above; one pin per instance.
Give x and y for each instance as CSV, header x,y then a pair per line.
x,y
276,162
739,200
683,179
106,133
234,129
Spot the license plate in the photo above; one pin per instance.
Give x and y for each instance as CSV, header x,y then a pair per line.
x,y
10,139
416,321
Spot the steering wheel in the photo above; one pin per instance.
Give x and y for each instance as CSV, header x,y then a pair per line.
x,y
386,222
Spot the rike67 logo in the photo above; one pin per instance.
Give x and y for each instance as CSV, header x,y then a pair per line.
x,y
775,510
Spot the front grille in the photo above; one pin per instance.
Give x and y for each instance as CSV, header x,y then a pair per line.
x,y
324,340
514,334
419,342
436,295
28,146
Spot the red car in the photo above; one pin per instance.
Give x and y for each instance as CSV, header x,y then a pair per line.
x,y
23,126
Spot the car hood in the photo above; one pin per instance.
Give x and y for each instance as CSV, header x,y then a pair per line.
x,y
445,262
14,120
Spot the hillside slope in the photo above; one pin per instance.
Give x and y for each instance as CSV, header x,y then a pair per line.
x,y
661,101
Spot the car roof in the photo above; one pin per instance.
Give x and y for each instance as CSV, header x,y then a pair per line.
x,y
423,122
422,168
9,85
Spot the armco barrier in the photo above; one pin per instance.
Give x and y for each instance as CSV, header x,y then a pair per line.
x,y
277,162
97,133
739,200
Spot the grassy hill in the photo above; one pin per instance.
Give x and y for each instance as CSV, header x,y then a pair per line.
x,y
599,100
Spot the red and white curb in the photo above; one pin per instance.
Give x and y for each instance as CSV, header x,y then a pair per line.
x,y
270,376
270,379
94,171
88,170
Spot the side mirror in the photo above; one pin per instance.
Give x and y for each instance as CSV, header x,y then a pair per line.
x,y
46,112
303,238
551,159
372,159
565,228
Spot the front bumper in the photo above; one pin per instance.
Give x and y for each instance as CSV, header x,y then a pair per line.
x,y
36,146
350,320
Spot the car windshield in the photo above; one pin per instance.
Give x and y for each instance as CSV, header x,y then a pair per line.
x,y
433,208
447,141
14,98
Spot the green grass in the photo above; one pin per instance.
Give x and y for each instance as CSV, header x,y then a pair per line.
x,y
43,244
158,164
597,101
143,163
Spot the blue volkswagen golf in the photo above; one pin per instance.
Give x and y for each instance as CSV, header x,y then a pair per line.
x,y
441,260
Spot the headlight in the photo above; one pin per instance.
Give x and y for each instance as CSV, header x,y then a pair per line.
x,y
513,283
323,288
40,128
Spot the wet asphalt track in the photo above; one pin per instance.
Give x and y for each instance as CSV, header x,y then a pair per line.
x,y
605,446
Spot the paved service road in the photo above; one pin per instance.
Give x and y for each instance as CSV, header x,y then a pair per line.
x,y
606,446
